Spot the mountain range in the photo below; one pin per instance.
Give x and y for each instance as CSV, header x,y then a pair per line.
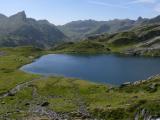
x,y
18,30
81,29
143,40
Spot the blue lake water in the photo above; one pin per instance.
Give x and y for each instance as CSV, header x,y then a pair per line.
x,y
109,69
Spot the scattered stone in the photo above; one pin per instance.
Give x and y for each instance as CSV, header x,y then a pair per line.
x,y
11,94
135,97
45,104
18,111
145,115
108,106
155,118
31,57
142,81
152,87
126,84
45,112
110,88
80,116
108,49
27,104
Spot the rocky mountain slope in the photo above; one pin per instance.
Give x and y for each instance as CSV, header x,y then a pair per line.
x,y
19,30
140,40
77,30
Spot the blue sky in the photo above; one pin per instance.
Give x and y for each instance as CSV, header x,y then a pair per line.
x,y
63,11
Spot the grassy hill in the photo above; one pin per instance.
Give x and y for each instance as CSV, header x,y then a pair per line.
x,y
143,40
28,96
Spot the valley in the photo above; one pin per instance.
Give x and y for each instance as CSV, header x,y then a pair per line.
x,y
32,96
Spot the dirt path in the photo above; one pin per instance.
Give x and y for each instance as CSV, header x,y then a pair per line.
x,y
39,110
19,87
43,111
82,108
34,108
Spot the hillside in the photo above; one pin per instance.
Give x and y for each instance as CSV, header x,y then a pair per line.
x,y
77,30
28,96
18,30
141,40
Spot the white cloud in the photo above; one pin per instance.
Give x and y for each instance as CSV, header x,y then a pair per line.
x,y
157,8
106,4
142,1
155,4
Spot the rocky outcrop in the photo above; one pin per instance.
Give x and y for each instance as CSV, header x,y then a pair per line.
x,y
142,81
18,30
145,115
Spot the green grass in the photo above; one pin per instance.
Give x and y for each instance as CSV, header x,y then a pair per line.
x,y
68,95
89,47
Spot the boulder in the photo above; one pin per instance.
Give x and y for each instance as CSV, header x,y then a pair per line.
x,y
126,84
45,104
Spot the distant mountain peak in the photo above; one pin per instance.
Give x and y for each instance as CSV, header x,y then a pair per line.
x,y
139,18
19,30
44,21
157,17
2,16
20,15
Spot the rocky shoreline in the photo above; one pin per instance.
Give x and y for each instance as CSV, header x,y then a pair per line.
x,y
153,52
140,81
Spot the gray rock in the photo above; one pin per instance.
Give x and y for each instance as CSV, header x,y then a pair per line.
x,y
45,104
126,84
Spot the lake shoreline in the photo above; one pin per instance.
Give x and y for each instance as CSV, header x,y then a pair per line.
x,y
45,55
70,98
